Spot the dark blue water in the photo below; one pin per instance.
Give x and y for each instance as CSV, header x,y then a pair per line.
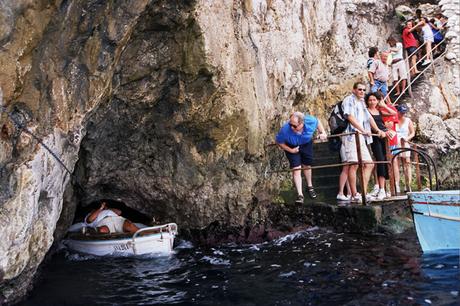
x,y
315,267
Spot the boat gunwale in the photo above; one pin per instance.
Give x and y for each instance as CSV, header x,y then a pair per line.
x,y
93,239
435,203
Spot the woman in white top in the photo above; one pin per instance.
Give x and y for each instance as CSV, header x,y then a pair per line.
x,y
405,130
428,39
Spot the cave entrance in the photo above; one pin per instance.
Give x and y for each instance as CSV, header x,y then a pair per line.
x,y
126,211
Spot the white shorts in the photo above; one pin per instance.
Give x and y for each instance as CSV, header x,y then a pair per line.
x,y
428,37
115,224
348,150
399,70
405,154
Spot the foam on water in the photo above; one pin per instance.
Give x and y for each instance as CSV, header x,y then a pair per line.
x,y
184,244
349,269
216,261
72,256
294,236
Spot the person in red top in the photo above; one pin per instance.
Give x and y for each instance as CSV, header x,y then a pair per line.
x,y
390,121
410,44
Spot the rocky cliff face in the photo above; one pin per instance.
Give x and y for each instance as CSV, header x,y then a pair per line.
x,y
164,105
435,107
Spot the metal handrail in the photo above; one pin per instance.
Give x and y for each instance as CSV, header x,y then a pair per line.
x,y
407,61
419,152
423,71
428,160
171,228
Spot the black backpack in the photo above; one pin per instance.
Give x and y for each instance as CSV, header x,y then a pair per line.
x,y
337,124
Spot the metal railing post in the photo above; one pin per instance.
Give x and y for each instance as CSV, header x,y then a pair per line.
x,y
417,170
391,175
360,167
403,163
409,86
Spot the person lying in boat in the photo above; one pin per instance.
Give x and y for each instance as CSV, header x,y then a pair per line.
x,y
109,220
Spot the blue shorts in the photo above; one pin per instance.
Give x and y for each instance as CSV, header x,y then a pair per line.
x,y
379,85
410,50
303,157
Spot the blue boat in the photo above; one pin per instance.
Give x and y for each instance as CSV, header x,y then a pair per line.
x,y
437,219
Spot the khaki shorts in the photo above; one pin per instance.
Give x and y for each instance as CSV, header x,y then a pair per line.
x,y
115,224
399,70
348,150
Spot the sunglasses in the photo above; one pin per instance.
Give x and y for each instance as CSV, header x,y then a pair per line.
x,y
294,126
361,89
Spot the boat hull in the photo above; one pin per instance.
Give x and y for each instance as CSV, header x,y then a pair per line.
x,y
437,219
156,243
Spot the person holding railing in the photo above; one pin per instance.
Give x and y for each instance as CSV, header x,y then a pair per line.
x,y
437,35
398,66
377,71
410,43
405,130
296,139
428,39
375,104
355,111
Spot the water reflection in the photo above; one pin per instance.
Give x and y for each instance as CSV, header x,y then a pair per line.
x,y
314,267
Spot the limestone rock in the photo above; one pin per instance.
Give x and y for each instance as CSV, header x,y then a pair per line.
x,y
404,12
167,106
441,133
450,56
438,104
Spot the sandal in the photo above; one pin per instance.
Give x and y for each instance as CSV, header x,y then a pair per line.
x,y
299,199
311,192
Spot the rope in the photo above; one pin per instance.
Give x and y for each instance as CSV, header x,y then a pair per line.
x,y
22,127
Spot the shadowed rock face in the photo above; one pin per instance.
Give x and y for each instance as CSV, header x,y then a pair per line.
x,y
164,105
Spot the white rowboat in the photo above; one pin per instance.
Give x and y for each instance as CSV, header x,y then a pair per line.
x,y
147,240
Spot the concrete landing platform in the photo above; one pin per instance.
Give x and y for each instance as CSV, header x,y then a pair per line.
x,y
392,215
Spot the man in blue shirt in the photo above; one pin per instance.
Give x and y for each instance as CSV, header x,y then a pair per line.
x,y
296,139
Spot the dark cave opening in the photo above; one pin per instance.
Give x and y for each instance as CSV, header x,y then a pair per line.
x,y
126,211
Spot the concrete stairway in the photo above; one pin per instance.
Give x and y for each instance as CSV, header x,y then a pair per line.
x,y
325,180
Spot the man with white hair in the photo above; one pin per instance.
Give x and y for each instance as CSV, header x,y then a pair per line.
x,y
296,139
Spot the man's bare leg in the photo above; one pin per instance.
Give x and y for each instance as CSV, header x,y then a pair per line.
x,y
352,179
367,172
307,173
343,180
398,92
403,85
297,178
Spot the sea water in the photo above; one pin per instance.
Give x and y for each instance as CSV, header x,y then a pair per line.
x,y
313,267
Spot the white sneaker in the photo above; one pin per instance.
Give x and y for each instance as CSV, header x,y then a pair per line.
x,y
357,198
342,197
388,194
425,62
375,191
381,195
370,198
